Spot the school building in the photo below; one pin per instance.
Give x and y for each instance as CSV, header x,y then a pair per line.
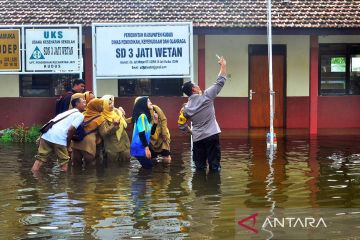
x,y
316,60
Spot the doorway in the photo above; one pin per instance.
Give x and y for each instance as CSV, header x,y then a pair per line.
x,y
259,102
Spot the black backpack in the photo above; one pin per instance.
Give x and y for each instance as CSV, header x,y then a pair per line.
x,y
80,132
61,106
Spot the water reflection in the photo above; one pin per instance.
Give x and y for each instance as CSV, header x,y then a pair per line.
x,y
205,206
270,188
173,201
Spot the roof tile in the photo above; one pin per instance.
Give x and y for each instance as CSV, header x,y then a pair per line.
x,y
203,13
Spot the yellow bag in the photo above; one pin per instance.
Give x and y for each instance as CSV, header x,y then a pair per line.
x,y
182,119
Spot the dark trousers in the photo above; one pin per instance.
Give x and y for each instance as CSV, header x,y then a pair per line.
x,y
145,162
208,148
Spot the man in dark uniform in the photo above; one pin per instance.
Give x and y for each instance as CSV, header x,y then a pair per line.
x,y
62,104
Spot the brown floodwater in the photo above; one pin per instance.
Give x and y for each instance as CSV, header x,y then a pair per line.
x,y
122,201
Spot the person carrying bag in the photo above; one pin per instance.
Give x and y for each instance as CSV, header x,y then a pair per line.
x,y
57,133
52,122
84,151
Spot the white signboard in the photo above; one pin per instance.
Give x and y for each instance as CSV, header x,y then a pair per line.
x,y
143,49
52,50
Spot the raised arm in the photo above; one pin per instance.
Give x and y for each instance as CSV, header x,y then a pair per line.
x,y
214,90
223,70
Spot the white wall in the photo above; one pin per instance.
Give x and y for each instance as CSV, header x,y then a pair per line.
x,y
340,39
9,86
107,86
235,49
195,65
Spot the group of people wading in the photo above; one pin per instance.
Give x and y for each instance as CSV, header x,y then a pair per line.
x,y
88,130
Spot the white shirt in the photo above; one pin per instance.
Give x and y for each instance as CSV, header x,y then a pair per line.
x,y
58,133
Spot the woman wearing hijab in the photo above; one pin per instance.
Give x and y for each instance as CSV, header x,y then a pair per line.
x,y
86,148
141,119
88,95
160,140
116,140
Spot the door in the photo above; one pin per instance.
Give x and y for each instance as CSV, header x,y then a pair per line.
x,y
259,102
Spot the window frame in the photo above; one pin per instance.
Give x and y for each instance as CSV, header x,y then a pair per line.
x,y
51,86
348,52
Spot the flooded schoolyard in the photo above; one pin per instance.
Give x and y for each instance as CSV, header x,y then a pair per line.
x,y
172,201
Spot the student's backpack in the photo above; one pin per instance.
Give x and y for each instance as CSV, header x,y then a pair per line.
x,y
80,132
